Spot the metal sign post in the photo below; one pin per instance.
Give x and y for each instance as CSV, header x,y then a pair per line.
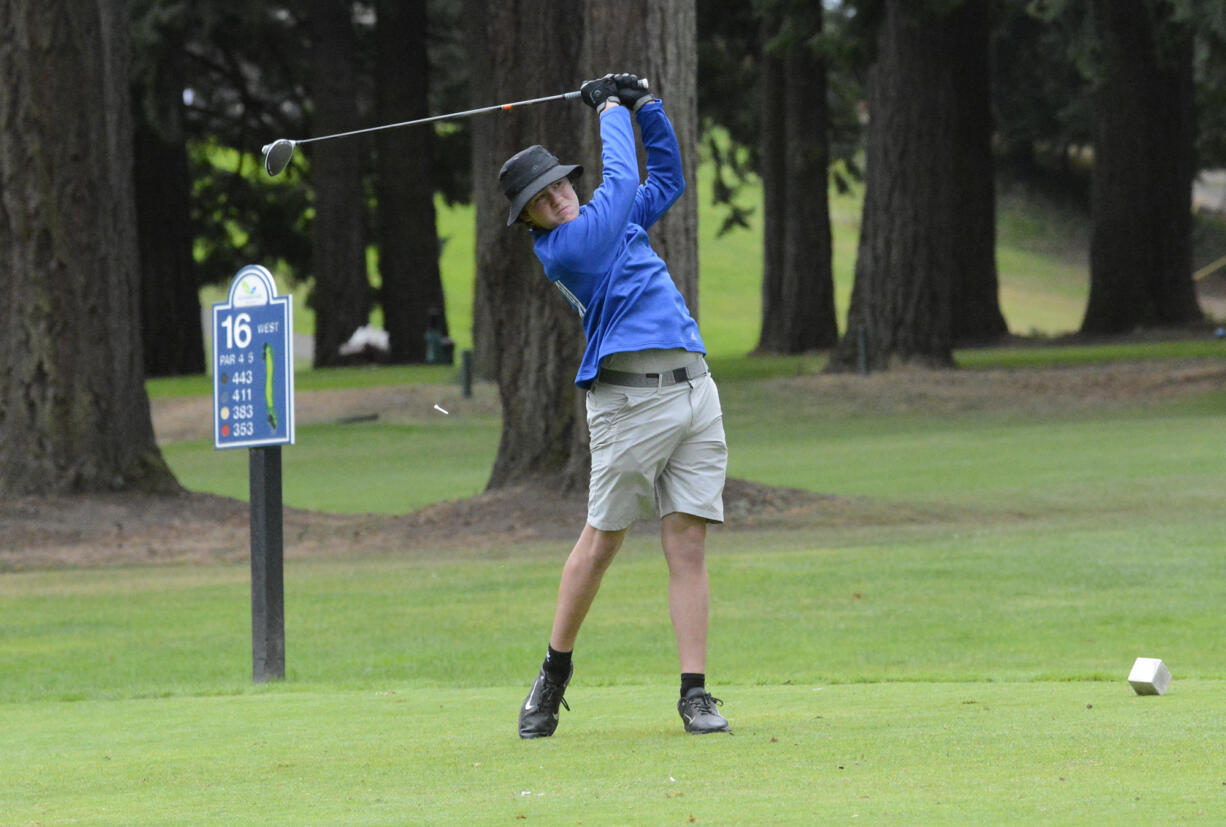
x,y
253,408
267,579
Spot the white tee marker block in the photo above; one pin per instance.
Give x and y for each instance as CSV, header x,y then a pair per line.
x,y
1149,676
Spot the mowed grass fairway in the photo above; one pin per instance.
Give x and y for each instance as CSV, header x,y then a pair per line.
x,y
950,646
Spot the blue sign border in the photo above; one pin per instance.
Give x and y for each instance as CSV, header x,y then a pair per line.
x,y
261,292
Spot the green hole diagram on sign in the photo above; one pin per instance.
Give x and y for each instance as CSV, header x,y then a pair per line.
x,y
269,404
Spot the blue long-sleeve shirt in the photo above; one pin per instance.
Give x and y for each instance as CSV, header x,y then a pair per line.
x,y
602,260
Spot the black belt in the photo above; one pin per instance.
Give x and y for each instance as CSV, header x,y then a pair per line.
x,y
693,370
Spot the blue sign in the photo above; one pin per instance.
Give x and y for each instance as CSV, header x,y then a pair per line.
x,y
253,363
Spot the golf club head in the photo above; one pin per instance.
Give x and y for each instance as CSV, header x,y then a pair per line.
x,y
277,155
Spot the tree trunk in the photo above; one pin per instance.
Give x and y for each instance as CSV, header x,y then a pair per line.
x,y
977,318
797,280
656,41
1144,164
342,296
534,337
170,299
408,236
74,415
533,334
902,297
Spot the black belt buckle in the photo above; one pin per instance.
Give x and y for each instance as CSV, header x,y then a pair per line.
x,y
677,374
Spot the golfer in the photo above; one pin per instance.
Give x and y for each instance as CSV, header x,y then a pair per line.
x,y
657,434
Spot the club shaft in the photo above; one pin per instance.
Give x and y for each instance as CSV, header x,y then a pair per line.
x,y
452,116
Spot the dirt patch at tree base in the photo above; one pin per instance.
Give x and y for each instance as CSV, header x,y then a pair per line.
x,y
124,529
127,529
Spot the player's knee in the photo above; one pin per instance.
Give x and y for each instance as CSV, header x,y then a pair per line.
x,y
683,537
600,547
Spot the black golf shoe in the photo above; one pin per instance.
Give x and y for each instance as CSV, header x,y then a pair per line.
x,y
538,717
697,710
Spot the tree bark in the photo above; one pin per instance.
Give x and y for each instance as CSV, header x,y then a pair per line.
x,y
74,415
902,299
657,41
342,295
1144,164
977,318
412,288
533,334
170,299
534,339
797,279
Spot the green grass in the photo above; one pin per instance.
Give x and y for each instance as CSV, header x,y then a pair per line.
x,y
737,367
953,648
983,459
1072,598
1063,355
951,753
920,674
400,467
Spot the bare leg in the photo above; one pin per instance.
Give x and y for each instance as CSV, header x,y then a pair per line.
x,y
581,576
684,538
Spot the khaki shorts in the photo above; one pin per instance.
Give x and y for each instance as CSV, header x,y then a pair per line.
x,y
656,451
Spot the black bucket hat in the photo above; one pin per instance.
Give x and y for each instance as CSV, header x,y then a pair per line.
x,y
529,171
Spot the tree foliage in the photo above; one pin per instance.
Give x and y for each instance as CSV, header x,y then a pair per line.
x,y
245,80
733,40
1039,107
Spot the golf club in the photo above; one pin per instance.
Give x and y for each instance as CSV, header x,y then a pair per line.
x,y
277,155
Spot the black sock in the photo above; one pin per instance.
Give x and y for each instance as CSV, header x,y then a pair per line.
x,y
557,664
691,680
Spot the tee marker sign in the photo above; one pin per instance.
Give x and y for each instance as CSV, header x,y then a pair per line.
x,y
253,363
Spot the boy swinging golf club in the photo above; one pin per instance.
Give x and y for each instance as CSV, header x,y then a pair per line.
x,y
657,435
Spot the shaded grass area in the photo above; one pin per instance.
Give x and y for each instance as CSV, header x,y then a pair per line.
x,y
359,467
1034,354
990,460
